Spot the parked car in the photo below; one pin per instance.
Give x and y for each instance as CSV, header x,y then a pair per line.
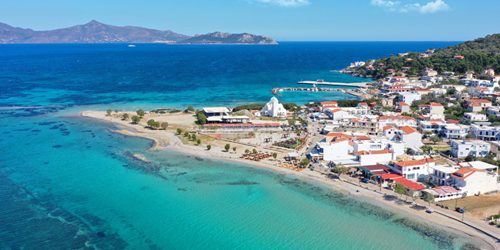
x,y
364,180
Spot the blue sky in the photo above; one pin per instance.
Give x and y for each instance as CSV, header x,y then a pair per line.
x,y
284,20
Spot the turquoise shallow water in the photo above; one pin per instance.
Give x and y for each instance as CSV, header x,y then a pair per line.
x,y
68,182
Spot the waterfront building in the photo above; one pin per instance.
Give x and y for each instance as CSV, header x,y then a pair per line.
x,y
221,115
463,148
334,147
475,181
329,104
444,193
441,174
397,121
273,108
416,170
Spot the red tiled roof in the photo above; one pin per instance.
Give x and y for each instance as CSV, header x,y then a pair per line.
x,y
363,103
435,104
403,104
466,172
479,100
337,110
329,102
389,127
385,151
415,162
391,176
409,130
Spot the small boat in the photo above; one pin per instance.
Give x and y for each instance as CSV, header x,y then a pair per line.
x,y
131,46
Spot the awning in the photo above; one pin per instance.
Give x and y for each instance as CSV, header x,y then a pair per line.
x,y
391,176
293,154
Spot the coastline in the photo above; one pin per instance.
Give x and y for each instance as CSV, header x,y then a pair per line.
x,y
165,140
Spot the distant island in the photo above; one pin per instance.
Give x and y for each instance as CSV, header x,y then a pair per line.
x,y
96,32
228,38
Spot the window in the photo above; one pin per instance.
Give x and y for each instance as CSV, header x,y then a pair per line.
x,y
410,176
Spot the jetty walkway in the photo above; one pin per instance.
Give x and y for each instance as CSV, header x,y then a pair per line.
x,y
354,84
354,92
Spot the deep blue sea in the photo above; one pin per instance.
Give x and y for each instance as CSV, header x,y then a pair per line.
x,y
68,182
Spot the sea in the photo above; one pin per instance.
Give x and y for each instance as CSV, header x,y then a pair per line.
x,y
68,182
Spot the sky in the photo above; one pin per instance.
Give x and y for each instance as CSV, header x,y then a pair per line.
x,y
284,20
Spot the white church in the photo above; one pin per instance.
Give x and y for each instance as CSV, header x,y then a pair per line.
x,y
273,108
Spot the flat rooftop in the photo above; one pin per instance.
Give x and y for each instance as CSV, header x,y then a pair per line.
x,y
215,110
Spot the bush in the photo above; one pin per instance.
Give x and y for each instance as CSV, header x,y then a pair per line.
x,y
136,119
141,113
209,147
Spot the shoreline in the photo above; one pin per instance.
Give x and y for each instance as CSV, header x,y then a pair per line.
x,y
165,140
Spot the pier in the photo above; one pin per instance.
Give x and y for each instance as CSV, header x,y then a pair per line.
x,y
354,84
354,92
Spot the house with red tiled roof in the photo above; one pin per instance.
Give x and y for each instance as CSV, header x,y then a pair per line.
x,y
414,169
489,72
402,107
432,108
475,181
391,70
458,58
337,114
329,104
484,104
362,105
256,112
423,55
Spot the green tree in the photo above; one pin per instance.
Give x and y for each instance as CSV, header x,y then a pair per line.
x,y
291,122
179,131
470,158
275,155
339,169
116,110
125,116
198,141
305,162
209,147
400,189
435,139
234,149
189,137
247,151
227,147
252,134
156,125
151,123
202,119
253,151
190,108
186,134
141,113
109,111
427,197
193,137
136,119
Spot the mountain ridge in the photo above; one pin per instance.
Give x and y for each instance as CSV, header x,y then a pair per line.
x,y
96,32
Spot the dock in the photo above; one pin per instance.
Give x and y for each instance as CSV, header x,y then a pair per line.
x,y
354,92
354,84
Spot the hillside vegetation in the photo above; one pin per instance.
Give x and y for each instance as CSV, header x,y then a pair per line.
x,y
478,55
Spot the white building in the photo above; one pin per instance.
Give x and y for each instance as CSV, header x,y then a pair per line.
x,y
463,148
334,147
409,97
475,181
486,133
480,165
367,158
410,137
397,121
444,193
475,117
441,174
397,148
273,108
453,131
414,169
493,111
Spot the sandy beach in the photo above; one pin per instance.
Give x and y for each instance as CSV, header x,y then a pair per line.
x,y
167,140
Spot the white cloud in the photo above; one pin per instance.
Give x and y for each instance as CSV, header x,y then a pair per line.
x,y
430,7
382,3
286,3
